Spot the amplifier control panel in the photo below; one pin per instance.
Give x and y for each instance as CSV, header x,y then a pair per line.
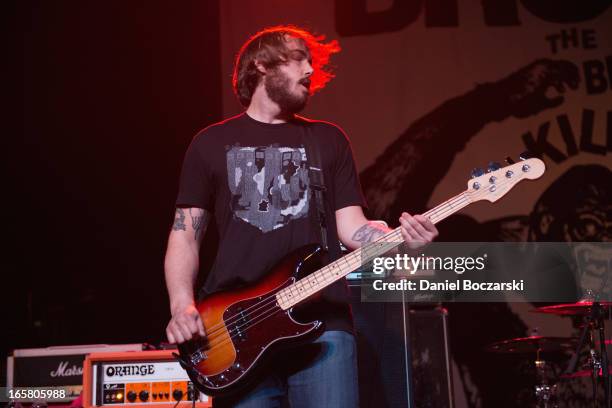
x,y
137,379
147,392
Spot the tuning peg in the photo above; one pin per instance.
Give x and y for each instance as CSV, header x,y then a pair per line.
x,y
526,155
493,166
477,172
509,160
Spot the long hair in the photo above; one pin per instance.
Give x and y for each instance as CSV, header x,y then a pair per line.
x,y
269,47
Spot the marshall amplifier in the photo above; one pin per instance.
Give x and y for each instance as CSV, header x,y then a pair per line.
x,y
60,366
138,378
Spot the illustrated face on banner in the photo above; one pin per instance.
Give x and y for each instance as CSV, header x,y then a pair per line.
x,y
585,215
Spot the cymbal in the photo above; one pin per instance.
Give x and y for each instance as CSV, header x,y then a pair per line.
x,y
533,344
572,309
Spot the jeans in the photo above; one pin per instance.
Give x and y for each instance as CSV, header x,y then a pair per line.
x,y
317,375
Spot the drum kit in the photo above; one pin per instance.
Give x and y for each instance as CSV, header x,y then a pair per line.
x,y
593,315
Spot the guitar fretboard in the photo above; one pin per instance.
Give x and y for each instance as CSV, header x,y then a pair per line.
x,y
320,279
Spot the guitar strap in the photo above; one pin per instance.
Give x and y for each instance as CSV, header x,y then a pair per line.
x,y
317,186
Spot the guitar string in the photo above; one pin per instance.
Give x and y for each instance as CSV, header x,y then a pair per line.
x,y
458,197
263,316
231,326
440,211
227,336
275,308
228,339
355,262
253,320
257,319
262,303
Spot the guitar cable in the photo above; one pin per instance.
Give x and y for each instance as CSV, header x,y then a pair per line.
x,y
193,400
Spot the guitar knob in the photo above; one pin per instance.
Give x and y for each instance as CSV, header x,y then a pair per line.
x,y
493,166
526,155
477,172
131,396
509,160
143,395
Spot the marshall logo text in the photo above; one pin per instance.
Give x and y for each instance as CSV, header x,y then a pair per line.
x,y
143,369
64,371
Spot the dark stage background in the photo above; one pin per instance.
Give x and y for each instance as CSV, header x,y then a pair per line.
x,y
110,93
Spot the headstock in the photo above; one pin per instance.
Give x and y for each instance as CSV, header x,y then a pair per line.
x,y
497,181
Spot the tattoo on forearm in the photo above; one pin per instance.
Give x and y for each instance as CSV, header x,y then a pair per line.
x,y
368,233
199,220
179,220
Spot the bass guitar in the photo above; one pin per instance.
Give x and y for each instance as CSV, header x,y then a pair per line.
x,y
243,326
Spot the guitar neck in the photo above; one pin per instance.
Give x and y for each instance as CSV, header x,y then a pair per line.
x,y
315,282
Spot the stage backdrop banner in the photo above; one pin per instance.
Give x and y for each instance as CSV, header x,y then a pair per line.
x,y
429,89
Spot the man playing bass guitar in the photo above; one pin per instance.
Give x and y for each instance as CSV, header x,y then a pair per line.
x,y
250,172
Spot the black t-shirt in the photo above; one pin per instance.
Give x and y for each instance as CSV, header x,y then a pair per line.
x,y
254,177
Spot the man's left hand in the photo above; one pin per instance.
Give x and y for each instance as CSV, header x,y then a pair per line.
x,y
417,230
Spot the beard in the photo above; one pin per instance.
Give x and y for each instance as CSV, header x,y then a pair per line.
x,y
277,86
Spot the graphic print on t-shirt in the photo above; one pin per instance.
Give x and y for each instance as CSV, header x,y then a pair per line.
x,y
269,185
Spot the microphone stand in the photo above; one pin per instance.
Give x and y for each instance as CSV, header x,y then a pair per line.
x,y
595,319
571,367
605,370
596,316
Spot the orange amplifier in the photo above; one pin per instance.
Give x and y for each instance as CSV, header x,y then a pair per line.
x,y
137,378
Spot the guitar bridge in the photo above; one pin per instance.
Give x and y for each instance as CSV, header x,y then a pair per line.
x,y
197,356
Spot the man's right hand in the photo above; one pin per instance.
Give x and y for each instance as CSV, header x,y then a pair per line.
x,y
185,323
181,268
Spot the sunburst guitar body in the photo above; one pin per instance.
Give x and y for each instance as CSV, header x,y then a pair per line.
x,y
244,325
